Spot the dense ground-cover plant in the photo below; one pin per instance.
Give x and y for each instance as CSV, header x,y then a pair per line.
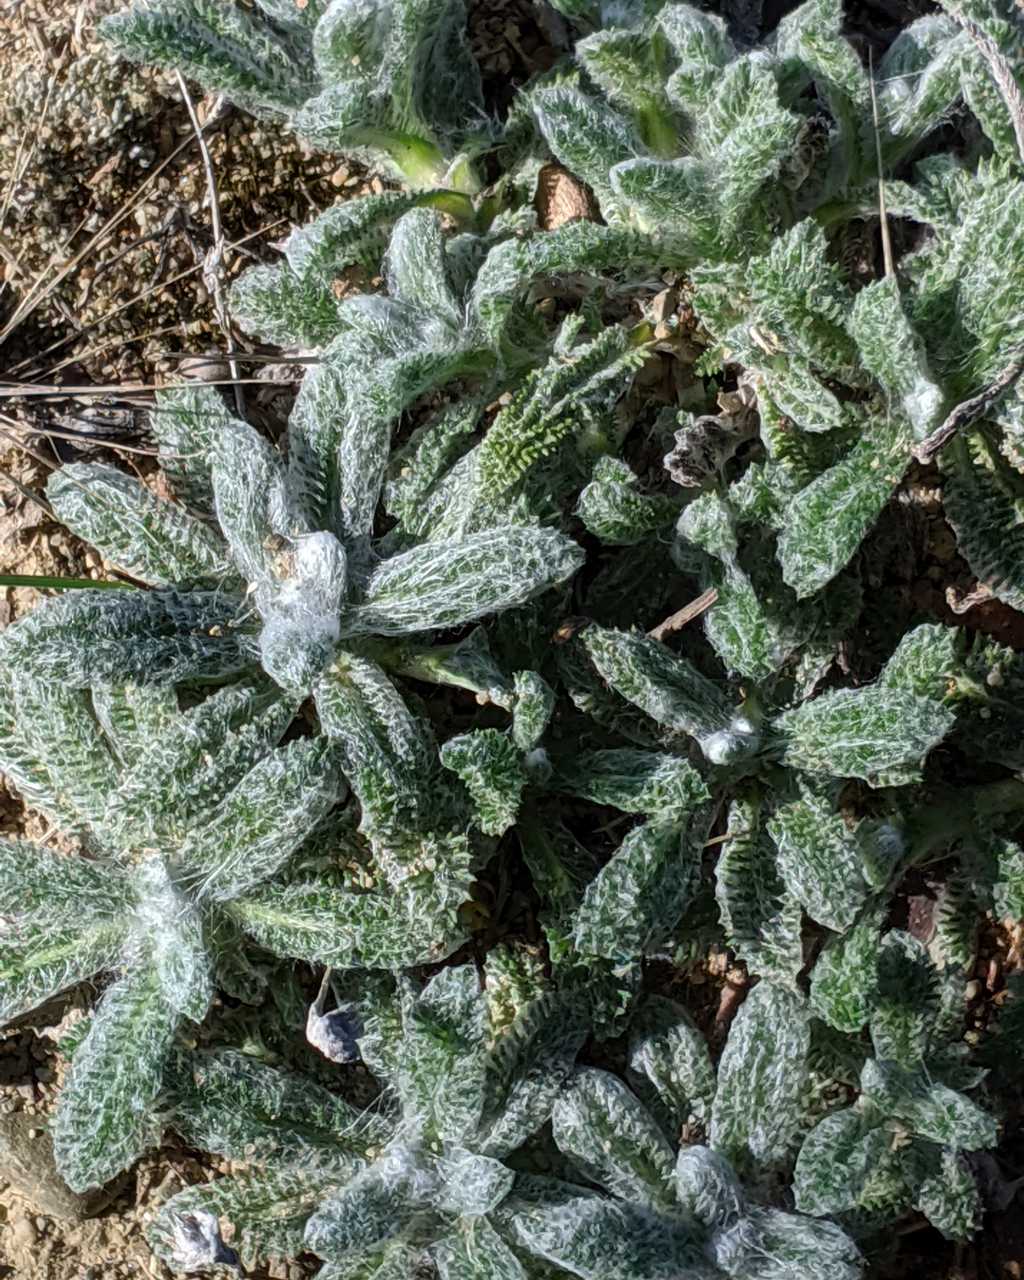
x,y
457,456
392,80
186,814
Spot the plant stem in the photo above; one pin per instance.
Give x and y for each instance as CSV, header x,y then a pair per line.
x,y
43,582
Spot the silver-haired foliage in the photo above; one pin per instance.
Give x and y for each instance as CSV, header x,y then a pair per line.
x,y
392,79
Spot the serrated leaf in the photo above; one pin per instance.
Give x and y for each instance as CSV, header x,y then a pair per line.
x,y
42,957
761,1077
448,584
353,232
415,268
819,860
772,1245
442,1067
604,1130
132,715
981,498
177,948
845,978
891,349
372,1209
626,65
950,1199
489,764
417,923
472,1185
185,423
801,298
184,771
229,49
613,510
798,393
534,705
669,690
149,637
388,755
476,1252
275,304
919,79
148,538
638,896
1008,890
67,888
105,1119
669,1064
578,246
251,497
708,1189
395,1261
923,661
58,726
930,1110
234,1105
599,1239
759,914
679,194
634,781
906,1002
417,469
526,1068
877,733
265,1211
826,521
559,399
836,1162
262,821
583,133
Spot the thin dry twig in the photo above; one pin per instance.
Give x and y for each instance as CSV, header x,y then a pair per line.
x,y
78,437
214,263
1002,74
48,463
970,410
26,492
124,306
679,619
42,391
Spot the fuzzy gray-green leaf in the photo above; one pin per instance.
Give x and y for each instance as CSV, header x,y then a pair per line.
x,y
634,781
669,1064
447,584
819,860
669,690
826,522
836,1161
638,896
761,1078
602,1127
105,1121
150,539
759,913
490,766
844,980
876,733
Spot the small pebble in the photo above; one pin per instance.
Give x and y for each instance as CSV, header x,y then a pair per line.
x,y
23,1233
